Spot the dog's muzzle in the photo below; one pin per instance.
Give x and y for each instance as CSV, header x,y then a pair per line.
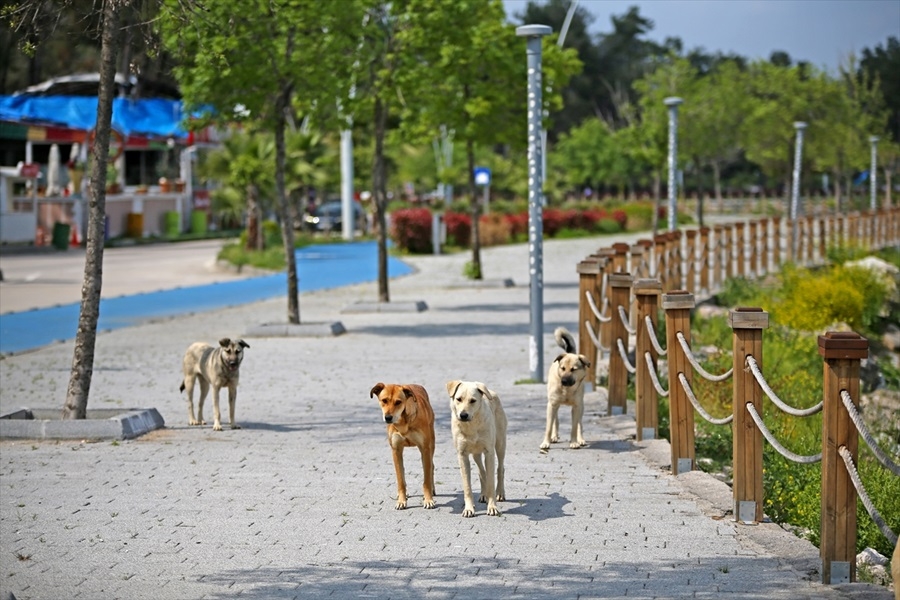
x,y
567,381
388,418
463,416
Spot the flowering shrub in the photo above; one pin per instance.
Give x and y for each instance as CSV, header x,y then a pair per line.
x,y
554,220
494,230
411,229
459,228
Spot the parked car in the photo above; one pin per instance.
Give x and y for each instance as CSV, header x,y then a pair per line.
x,y
329,217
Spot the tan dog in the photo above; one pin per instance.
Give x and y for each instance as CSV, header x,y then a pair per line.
x,y
565,387
215,367
410,422
479,429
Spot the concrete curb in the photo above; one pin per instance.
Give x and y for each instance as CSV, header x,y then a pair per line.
x,y
100,424
385,307
292,330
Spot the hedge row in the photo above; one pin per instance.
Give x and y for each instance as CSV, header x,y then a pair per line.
x,y
411,227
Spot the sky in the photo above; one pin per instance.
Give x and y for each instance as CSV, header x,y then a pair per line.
x,y
821,32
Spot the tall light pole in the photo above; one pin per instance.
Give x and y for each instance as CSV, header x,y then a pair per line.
x,y
800,126
535,105
873,203
673,104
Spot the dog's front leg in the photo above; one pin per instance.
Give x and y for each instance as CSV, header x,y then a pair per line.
x,y
479,462
428,483
217,423
488,483
399,470
550,433
465,470
232,400
577,439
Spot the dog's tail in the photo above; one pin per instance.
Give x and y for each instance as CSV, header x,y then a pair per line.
x,y
565,340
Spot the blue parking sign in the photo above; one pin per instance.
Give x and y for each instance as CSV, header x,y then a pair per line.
x,y
482,176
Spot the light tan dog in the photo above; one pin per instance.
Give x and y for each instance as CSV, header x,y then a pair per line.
x,y
565,387
479,429
215,367
410,422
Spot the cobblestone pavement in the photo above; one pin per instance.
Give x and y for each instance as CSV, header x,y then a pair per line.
x,y
299,503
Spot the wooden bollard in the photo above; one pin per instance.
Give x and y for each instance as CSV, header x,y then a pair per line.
x,y
740,249
690,272
673,248
606,266
764,246
777,238
678,306
747,451
718,255
823,238
729,251
810,239
635,259
620,295
705,259
620,258
754,248
660,263
842,353
589,282
646,293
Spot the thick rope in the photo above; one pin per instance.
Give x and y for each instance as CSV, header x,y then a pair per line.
x,y
654,377
652,332
624,316
861,492
882,457
700,370
594,338
797,412
594,309
690,394
624,354
781,449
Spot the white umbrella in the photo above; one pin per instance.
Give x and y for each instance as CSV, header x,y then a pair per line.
x,y
53,172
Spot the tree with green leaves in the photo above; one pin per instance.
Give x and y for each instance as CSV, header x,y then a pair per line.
x,y
469,77
290,58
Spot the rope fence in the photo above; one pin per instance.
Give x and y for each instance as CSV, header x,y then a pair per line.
x,y
671,260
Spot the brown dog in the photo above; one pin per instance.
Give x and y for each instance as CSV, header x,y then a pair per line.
x,y
216,367
565,387
410,422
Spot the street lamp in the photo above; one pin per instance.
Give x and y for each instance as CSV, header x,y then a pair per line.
x,y
533,35
800,126
673,104
873,172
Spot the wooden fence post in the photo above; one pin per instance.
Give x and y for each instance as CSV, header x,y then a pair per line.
x,y
646,267
676,259
620,295
646,293
776,242
705,256
691,270
729,251
620,258
747,488
810,240
660,262
823,238
740,247
589,282
678,306
842,353
718,255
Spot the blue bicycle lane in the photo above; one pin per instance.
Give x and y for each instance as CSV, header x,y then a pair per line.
x,y
319,267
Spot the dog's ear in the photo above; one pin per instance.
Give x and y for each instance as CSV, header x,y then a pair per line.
x,y
452,386
224,342
408,393
558,358
584,360
484,391
241,343
376,389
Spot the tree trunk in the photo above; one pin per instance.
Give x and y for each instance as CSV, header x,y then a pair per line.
x,y
887,192
476,213
75,406
837,191
253,224
657,199
287,227
717,184
379,191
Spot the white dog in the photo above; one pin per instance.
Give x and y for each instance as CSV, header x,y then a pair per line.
x,y
479,429
565,387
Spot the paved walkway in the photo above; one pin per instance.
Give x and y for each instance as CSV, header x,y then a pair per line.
x,y
299,503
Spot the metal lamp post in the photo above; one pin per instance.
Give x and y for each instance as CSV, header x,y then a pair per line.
x,y
533,35
673,104
873,204
800,126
